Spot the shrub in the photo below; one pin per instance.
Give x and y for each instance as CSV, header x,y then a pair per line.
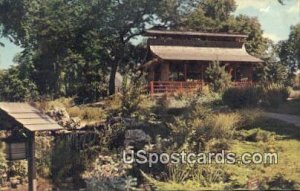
x,y
269,95
217,77
221,125
43,156
257,135
275,94
242,97
87,113
3,165
15,88
131,95
109,174
18,168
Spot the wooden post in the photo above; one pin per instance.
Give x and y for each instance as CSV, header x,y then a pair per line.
x,y
235,70
185,71
202,73
151,88
32,183
251,73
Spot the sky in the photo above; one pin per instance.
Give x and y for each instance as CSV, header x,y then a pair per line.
x,y
275,19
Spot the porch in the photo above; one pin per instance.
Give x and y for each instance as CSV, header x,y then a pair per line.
x,y
170,87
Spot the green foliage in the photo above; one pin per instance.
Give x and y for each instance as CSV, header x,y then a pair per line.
x,y
18,168
132,90
215,16
92,114
96,39
3,164
289,50
218,9
44,156
217,77
220,126
108,173
274,72
275,94
271,95
257,135
15,88
242,97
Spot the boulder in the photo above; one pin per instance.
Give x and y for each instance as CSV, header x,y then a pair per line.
x,y
133,136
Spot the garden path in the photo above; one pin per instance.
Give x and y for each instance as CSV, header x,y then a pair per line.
x,y
294,119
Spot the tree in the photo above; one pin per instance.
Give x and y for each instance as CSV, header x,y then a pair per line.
x,y
274,72
218,9
289,50
217,77
72,43
215,16
14,88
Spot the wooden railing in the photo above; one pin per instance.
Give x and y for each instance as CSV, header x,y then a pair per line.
x,y
162,87
169,87
242,83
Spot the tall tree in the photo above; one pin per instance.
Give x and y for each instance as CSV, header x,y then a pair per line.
x,y
289,50
216,16
71,44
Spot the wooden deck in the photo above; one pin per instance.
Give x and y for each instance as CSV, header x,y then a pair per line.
x,y
169,87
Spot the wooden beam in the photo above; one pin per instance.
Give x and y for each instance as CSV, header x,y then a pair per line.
x,y
32,182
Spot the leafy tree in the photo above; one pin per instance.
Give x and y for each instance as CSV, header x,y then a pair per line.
x,y
13,88
71,43
215,16
274,72
218,9
289,50
217,77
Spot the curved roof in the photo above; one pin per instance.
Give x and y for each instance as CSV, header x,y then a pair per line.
x,y
169,33
202,53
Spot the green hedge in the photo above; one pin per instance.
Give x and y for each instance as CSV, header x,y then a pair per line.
x,y
270,96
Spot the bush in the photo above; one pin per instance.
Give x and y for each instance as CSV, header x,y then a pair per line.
x,y
269,95
274,95
43,156
221,125
242,97
87,113
217,77
109,174
15,88
3,165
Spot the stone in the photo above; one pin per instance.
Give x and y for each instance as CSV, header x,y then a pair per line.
x,y
136,136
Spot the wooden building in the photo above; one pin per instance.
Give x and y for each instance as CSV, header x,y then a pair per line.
x,y
178,60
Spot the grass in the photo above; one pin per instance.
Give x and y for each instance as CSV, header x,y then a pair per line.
x,y
88,114
278,137
290,107
287,145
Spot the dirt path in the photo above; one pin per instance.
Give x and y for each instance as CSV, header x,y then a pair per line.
x,y
294,119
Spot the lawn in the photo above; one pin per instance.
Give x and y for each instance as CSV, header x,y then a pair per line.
x,y
286,143
290,107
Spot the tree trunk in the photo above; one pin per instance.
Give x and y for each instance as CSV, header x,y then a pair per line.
x,y
112,77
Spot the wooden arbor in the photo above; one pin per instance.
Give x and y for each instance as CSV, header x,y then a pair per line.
x,y
24,117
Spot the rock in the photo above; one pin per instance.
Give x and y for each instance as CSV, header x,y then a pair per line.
x,y
63,118
136,136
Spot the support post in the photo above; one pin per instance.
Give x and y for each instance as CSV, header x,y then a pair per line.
x,y
151,88
202,75
235,70
32,182
185,71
